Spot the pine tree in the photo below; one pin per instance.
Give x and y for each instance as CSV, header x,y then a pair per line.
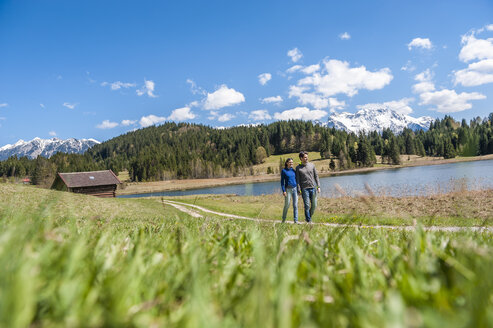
x,y
394,154
332,164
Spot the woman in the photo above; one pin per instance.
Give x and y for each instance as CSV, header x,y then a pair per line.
x,y
288,186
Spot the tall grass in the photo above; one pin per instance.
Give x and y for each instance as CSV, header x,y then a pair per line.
x,y
171,270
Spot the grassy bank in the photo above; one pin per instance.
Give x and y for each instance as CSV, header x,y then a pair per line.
x,y
462,208
74,260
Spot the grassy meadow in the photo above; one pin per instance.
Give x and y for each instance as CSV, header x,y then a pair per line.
x,y
77,261
462,208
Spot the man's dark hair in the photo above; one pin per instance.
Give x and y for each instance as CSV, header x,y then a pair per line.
x,y
303,153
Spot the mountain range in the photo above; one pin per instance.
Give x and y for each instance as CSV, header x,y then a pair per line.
x,y
377,120
363,120
46,147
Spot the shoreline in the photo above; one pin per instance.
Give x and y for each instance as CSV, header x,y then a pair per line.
x,y
190,184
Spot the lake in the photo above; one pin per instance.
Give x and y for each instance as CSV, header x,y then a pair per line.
x,y
408,181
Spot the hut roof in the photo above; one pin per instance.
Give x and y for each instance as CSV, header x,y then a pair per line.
x,y
89,179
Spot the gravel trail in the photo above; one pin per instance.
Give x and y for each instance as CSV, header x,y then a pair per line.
x,y
193,210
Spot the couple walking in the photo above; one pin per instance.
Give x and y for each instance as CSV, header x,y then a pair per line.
x,y
304,180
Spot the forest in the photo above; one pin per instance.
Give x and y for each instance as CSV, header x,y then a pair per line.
x,y
185,150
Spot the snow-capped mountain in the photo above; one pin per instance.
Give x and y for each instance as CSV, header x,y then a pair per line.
x,y
377,120
46,147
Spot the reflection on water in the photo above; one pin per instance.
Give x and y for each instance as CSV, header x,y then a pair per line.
x,y
410,181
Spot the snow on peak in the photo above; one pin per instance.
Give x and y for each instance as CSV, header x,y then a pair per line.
x,y
377,119
45,147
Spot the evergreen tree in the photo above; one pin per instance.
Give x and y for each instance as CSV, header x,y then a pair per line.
x,y
394,154
44,172
449,151
332,164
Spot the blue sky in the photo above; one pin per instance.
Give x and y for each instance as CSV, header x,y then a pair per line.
x,y
98,69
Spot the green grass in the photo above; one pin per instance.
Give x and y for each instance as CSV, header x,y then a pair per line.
x,y
462,209
77,261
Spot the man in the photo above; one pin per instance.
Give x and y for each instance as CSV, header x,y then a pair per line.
x,y
308,185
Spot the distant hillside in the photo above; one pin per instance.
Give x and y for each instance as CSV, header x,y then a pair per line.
x,y
189,150
184,150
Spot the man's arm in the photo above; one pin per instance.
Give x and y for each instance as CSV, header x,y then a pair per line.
x,y
298,186
315,174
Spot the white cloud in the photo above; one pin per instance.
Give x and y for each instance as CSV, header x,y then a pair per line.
x,y
69,105
307,69
213,115
424,76
42,106
149,120
118,85
445,100
340,78
300,113
52,133
344,36
448,101
106,124
270,100
148,89
481,71
425,83
475,74
3,105
264,78
295,54
422,87
308,98
334,103
408,67
128,122
223,97
475,48
294,68
181,114
337,77
195,89
259,115
400,106
194,104
311,69
423,43
225,117
482,29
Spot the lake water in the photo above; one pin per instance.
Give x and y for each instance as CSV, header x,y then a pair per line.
x,y
409,181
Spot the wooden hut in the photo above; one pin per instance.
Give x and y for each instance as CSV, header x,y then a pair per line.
x,y
95,183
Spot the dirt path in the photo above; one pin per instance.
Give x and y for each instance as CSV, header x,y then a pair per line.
x,y
193,210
